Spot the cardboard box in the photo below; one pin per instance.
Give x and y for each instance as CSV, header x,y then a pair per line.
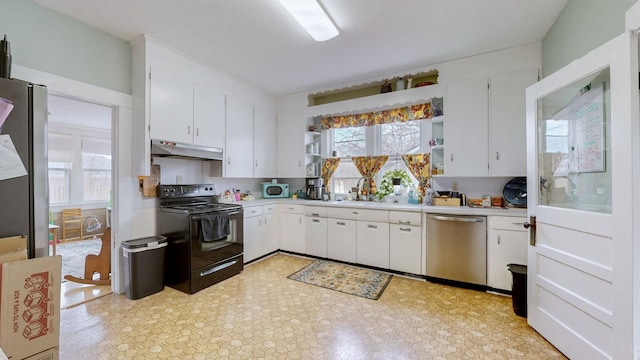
x,y
446,201
30,306
51,354
13,249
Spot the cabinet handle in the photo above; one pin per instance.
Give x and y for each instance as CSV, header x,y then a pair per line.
x,y
498,239
316,221
521,223
314,214
452,157
197,132
290,208
341,223
228,160
300,220
497,155
259,222
405,229
189,129
299,163
265,221
372,226
406,222
355,212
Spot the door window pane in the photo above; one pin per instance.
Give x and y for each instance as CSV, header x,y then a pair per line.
x,y
574,146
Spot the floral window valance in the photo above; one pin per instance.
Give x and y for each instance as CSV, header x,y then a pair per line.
x,y
409,113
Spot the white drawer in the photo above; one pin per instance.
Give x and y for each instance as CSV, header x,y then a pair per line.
x,y
252,211
405,217
292,208
360,214
317,211
507,223
268,209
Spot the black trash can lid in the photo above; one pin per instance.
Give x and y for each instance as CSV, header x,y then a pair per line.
x,y
143,242
517,268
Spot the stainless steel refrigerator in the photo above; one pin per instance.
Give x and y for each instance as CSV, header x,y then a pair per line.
x,y
24,200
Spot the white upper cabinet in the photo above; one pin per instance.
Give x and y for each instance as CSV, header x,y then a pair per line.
x,y
170,86
208,116
239,140
264,142
291,136
466,128
507,143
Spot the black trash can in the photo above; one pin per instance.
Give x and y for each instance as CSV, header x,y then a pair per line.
x,y
144,266
519,288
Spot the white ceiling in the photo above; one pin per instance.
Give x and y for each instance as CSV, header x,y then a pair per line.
x,y
259,42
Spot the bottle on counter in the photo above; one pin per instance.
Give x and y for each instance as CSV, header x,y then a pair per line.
x,y
428,196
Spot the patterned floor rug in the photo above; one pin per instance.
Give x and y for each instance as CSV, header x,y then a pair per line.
x,y
344,278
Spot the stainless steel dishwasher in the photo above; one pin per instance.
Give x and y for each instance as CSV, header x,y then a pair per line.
x,y
457,248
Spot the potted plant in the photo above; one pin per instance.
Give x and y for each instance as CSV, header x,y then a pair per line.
x,y
391,178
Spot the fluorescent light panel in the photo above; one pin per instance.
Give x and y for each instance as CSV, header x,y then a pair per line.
x,y
310,15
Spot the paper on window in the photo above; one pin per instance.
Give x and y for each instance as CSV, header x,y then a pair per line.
x,y
5,109
10,164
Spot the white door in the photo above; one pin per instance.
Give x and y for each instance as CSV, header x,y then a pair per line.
x,y
579,176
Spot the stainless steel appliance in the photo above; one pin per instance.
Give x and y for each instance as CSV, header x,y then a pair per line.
x,y
205,238
24,200
314,188
457,248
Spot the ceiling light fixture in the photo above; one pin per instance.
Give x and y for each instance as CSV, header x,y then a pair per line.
x,y
312,17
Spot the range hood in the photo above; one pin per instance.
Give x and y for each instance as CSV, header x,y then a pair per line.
x,y
184,151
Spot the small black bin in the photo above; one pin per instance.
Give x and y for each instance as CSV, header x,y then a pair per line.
x,y
519,288
144,266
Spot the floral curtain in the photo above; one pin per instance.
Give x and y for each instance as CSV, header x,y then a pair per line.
x,y
368,166
328,168
414,112
420,167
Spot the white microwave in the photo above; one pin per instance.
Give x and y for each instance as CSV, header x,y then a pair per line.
x,y
271,190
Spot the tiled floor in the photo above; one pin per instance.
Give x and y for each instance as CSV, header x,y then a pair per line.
x,y
262,314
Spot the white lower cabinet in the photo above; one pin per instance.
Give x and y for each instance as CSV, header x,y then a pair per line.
x,y
405,248
506,244
341,239
292,228
316,230
252,237
270,229
372,244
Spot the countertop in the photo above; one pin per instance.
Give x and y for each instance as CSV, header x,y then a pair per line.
x,y
453,210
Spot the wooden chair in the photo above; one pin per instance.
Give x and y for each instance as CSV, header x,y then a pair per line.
x,y
71,222
100,264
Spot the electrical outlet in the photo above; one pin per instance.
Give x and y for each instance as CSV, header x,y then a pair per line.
x,y
454,186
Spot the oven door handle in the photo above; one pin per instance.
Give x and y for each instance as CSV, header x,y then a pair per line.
x,y
196,217
218,268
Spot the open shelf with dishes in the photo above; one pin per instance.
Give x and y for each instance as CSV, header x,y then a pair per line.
x,y
437,133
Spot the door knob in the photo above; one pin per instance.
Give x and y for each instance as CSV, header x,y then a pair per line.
x,y
532,233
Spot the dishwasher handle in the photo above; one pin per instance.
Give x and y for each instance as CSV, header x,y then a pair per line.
x,y
457,218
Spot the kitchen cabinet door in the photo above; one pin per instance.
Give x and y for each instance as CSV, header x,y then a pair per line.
x,y
372,244
506,244
252,238
507,133
239,140
170,96
264,142
405,248
316,236
270,233
466,130
292,232
208,116
341,239
291,147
